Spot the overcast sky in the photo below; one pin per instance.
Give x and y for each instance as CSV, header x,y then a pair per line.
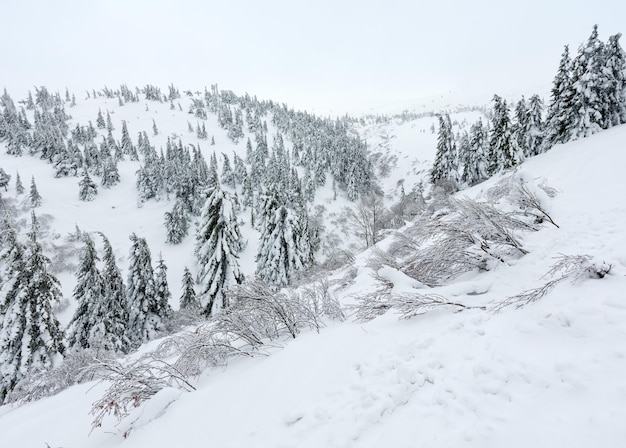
x,y
322,55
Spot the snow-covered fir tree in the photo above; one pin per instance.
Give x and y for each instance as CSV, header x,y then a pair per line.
x,y
117,316
228,177
4,179
559,118
501,153
88,293
520,130
87,190
588,81
188,299
218,244
177,223
284,247
536,126
34,196
110,173
144,308
474,160
162,288
30,334
19,187
445,166
615,72
100,120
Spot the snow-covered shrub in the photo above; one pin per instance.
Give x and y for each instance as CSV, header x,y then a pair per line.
x,y
470,235
77,367
407,305
573,267
257,316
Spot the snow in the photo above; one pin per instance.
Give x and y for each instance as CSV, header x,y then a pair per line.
x,y
549,374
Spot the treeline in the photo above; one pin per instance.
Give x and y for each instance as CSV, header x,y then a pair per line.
x,y
588,95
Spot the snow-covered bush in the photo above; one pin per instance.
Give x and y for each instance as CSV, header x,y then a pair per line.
x,y
256,317
471,235
573,267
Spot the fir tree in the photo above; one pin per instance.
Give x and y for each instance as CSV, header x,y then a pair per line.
x,y
284,247
4,179
177,223
474,159
110,173
162,289
445,166
188,300
11,259
155,130
588,100
100,120
126,144
87,188
218,244
109,123
116,314
615,72
228,177
520,131
34,196
19,187
30,335
536,128
501,154
99,321
559,118
144,308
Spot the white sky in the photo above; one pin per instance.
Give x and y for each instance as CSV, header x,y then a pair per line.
x,y
327,56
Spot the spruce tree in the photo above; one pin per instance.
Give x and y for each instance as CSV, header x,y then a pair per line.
x,y
474,160
117,316
559,119
30,335
144,308
501,153
87,187
615,72
4,179
19,187
228,177
284,247
177,223
34,196
88,294
162,289
218,244
536,126
100,120
11,259
188,300
588,97
445,166
110,173
126,144
520,131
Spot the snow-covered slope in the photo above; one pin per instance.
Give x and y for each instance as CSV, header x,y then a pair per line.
x,y
549,374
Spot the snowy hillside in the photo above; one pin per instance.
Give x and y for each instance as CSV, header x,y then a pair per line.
x,y
547,374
